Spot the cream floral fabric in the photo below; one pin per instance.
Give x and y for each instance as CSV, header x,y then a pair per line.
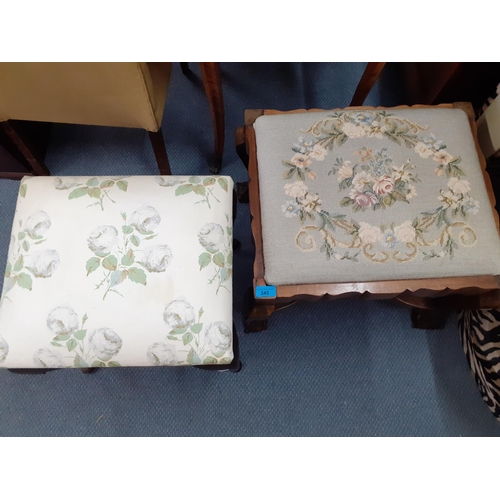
x,y
382,194
119,271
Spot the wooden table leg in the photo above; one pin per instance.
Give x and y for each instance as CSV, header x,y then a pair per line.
x,y
210,73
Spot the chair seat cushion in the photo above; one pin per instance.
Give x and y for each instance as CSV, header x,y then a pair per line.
x,y
354,196
119,271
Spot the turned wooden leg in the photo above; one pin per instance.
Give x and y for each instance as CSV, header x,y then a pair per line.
x,y
210,73
160,151
27,151
429,319
366,83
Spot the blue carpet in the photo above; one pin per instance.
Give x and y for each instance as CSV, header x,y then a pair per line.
x,y
345,368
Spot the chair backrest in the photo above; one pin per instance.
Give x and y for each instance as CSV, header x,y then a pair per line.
x,y
112,94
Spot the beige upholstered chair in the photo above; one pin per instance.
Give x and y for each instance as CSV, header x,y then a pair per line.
x,y
110,94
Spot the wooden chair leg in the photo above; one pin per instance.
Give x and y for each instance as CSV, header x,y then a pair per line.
x,y
255,314
160,151
366,83
36,163
210,73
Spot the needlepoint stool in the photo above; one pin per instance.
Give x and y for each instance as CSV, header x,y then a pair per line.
x,y
385,202
120,271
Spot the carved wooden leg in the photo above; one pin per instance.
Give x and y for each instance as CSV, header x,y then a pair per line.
x,y
210,73
429,319
160,151
25,148
366,83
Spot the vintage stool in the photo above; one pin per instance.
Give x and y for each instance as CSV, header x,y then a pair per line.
x,y
370,202
120,271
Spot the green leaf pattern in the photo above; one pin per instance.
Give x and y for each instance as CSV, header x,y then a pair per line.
x,y
121,256
203,188
75,346
95,188
26,260
202,343
217,243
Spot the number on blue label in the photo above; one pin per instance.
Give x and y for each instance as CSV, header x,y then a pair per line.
x,y
265,292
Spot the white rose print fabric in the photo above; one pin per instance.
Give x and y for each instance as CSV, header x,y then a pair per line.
x,y
119,271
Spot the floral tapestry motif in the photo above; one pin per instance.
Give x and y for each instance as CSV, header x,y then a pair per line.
x,y
26,261
374,181
218,246
123,254
97,190
75,346
186,330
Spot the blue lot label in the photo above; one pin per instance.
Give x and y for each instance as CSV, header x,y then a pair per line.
x,y
265,292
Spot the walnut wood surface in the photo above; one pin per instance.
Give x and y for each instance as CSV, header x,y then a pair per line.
x,y
368,79
211,76
465,292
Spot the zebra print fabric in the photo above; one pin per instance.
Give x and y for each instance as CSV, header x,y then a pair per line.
x,y
480,335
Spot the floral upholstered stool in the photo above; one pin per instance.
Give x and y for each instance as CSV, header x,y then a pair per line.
x,y
384,203
120,271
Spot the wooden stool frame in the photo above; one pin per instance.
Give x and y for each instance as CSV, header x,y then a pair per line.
x,y
431,299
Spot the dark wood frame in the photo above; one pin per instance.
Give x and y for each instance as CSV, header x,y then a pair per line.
x,y
439,294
